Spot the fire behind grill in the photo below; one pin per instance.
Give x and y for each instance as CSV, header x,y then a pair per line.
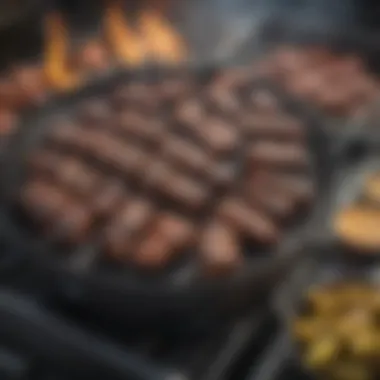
x,y
211,28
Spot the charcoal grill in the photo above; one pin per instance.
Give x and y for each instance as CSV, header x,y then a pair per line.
x,y
253,348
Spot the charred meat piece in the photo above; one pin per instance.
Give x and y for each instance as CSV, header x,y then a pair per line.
x,y
129,223
249,221
68,171
325,78
95,113
223,100
177,187
135,124
169,235
44,162
219,249
108,197
42,200
279,155
217,135
233,79
73,223
76,176
301,187
264,102
188,156
105,149
261,193
138,95
174,89
67,134
279,193
62,216
190,113
273,126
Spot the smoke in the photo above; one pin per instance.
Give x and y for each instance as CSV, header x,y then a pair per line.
x,y
218,29
316,15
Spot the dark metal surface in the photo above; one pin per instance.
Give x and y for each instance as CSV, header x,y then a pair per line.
x,y
38,338
41,339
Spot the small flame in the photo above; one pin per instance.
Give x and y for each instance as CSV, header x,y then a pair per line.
x,y
56,54
163,43
125,43
154,39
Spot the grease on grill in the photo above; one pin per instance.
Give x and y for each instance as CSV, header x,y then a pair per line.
x,y
338,331
158,170
338,83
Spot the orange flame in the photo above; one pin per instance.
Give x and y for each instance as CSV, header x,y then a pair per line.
x,y
56,54
154,39
125,43
163,43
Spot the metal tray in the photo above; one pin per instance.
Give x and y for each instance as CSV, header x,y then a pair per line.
x,y
174,295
